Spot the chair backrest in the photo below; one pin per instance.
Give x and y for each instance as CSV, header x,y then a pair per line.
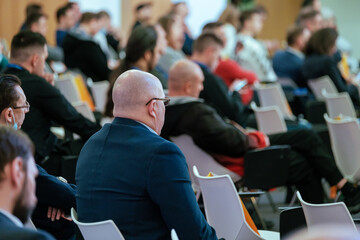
x,y
345,138
329,213
269,119
195,156
324,82
99,91
338,103
223,207
97,230
273,95
68,88
84,109
174,236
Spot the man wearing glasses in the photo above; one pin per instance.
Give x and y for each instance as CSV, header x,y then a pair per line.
x,y
128,173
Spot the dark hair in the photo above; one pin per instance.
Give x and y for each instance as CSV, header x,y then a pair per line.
x,y
308,15
14,144
88,16
321,42
33,18
8,95
212,25
142,5
166,22
293,33
62,12
103,14
141,40
33,8
205,40
246,15
23,41
307,3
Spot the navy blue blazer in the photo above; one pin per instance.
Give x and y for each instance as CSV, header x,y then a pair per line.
x,y
10,231
131,175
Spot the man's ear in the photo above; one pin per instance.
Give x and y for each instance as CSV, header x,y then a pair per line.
x,y
17,173
187,87
7,115
151,109
147,55
34,60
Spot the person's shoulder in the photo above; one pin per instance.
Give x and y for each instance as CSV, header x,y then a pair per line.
x,y
15,233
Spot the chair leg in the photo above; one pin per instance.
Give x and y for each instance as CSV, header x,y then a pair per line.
x,y
254,203
271,201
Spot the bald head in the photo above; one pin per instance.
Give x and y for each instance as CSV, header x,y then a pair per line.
x,y
185,79
132,90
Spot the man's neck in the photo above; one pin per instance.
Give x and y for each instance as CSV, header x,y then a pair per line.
x,y
24,65
199,58
142,65
247,32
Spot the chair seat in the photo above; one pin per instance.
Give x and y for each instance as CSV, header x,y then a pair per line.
x,y
269,235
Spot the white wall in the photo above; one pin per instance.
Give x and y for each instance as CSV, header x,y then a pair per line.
x,y
347,13
113,7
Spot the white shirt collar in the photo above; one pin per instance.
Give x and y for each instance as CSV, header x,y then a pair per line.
x,y
14,219
150,129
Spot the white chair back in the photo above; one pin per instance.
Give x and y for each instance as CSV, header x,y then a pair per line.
x,y
324,82
345,138
174,236
269,119
197,157
84,109
223,208
99,91
97,230
273,95
338,103
329,213
68,88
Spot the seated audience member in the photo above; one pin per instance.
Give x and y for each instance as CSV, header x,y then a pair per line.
x,y
83,52
206,53
254,55
142,53
37,22
31,9
28,54
65,17
228,69
309,5
143,13
320,61
175,39
17,186
3,59
148,192
288,63
311,20
55,197
309,160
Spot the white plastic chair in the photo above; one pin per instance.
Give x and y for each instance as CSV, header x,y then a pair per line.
x,y
99,91
273,95
338,103
269,119
345,139
84,109
97,230
329,213
224,211
68,88
324,82
174,236
196,156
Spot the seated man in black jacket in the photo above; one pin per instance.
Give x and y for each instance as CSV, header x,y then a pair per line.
x,y
82,52
28,54
308,159
55,196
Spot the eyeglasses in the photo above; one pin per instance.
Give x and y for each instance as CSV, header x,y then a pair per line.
x,y
27,106
165,100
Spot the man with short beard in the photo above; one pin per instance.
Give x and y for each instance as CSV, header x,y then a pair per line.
x,y
17,186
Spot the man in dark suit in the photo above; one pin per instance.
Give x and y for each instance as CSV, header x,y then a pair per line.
x,y
128,173
17,186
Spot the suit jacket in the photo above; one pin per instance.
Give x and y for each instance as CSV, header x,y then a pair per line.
x,y
10,231
48,105
131,175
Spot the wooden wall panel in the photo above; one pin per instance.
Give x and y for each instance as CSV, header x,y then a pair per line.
x,y
281,15
12,15
160,7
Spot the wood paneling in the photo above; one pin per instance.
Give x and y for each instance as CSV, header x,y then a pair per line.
x,y
12,15
160,7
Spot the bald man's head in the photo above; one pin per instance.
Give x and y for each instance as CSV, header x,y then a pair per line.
x,y
132,90
185,79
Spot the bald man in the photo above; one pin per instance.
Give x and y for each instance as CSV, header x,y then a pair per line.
x,y
308,160
128,173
